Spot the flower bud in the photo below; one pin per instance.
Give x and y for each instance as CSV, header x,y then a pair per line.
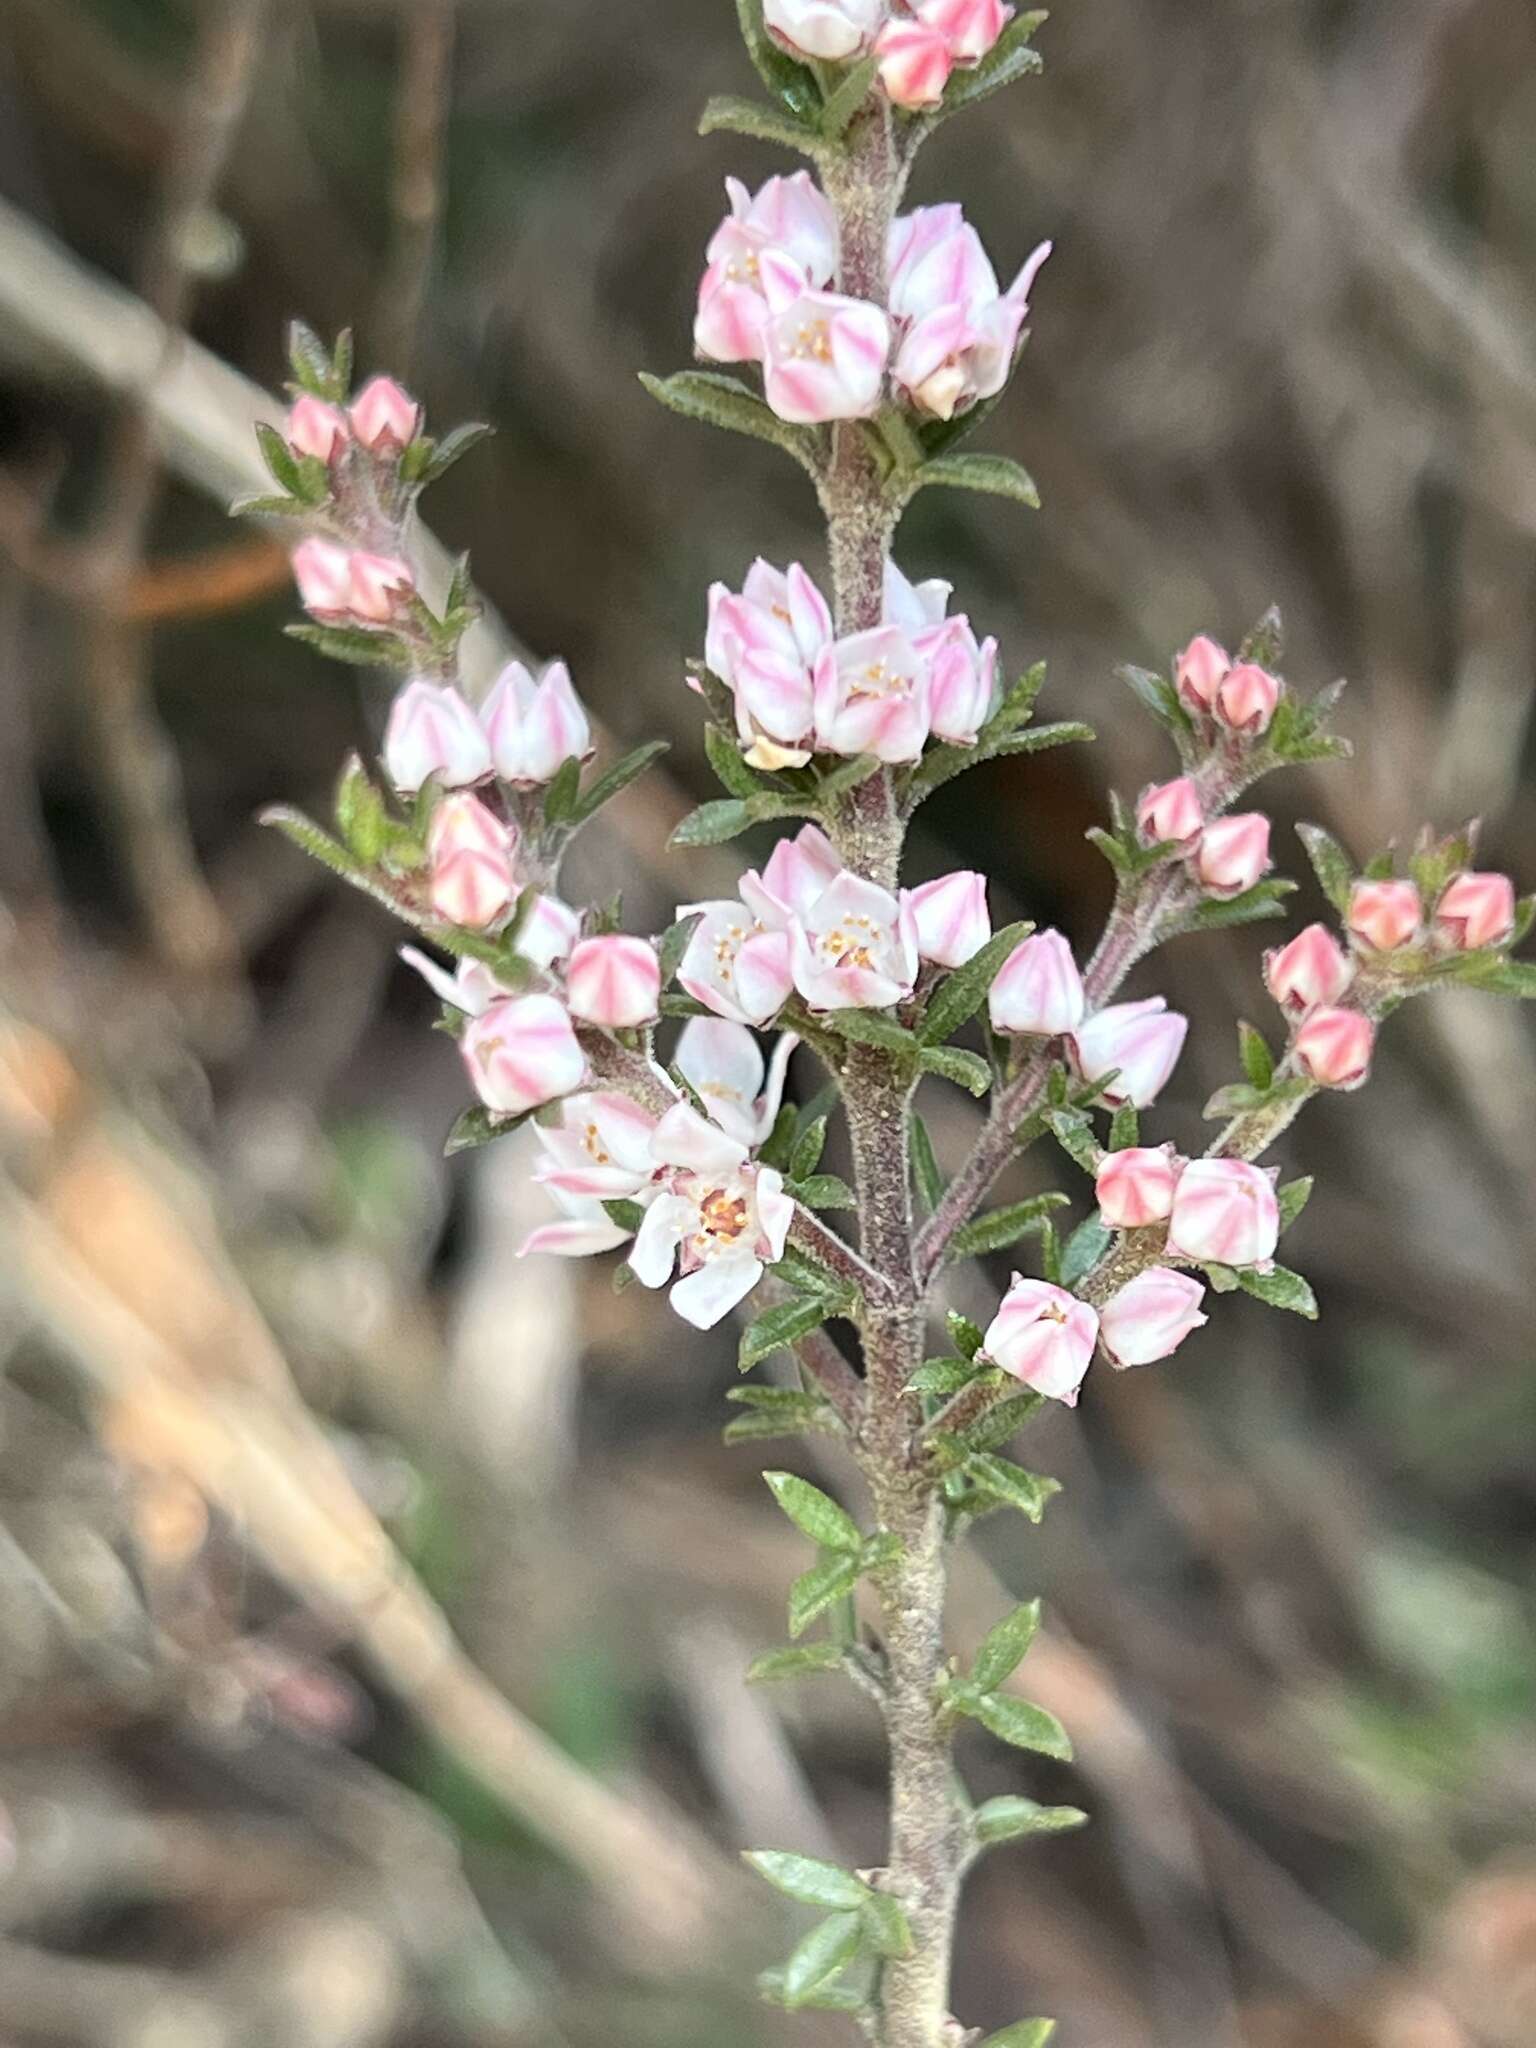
x,y
1135,1186
1170,811
522,1052
952,919
1333,1048
1200,671
970,27
323,573
1042,1336
915,63
384,416
1247,698
1476,910
315,428
1138,1043
613,980
534,727
470,851
432,731
1038,992
1313,969
1224,1210
377,583
962,679
1234,854
547,931
1151,1316
832,29
1384,914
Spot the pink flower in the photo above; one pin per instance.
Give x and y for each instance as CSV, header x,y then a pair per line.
x,y
793,876
956,332
470,988
915,63
1234,854
385,416
1312,969
1038,993
336,582
1200,672
854,948
951,916
723,1064
432,731
717,1215
1476,910
1170,811
584,1228
315,428
1247,698
1151,1316
600,1149
1385,915
734,964
613,980
1135,1186
1224,1211
789,215
1333,1048
470,852
1139,1042
763,646
970,27
1043,1336
534,727
824,355
835,29
522,1052
871,696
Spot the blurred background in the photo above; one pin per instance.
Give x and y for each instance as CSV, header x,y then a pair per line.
x,y
373,1606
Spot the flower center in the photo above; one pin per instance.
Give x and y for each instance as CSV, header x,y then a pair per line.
x,y
594,1146
853,946
812,342
722,1216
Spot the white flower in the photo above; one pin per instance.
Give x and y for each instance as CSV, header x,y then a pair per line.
x,y
718,1218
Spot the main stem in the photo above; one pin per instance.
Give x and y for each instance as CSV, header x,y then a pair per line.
x,y
927,1844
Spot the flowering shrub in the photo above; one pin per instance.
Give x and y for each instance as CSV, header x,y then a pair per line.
x,y
872,341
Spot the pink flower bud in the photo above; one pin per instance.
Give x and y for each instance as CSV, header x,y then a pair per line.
x,y
1476,910
1135,1186
824,355
970,27
315,428
323,572
1224,1210
915,63
534,727
1038,993
1151,1316
522,1052
376,585
952,919
1200,671
1139,1043
1313,969
962,679
1170,811
1234,853
1385,915
1247,698
547,932
385,416
614,981
470,851
432,731
834,29
1333,1048
1044,1337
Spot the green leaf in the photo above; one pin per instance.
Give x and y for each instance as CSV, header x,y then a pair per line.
x,y
961,994
683,1006
1006,1818
848,775
479,1126
311,839
1501,977
776,1329
944,1376
674,944
619,776
1159,695
808,1880
820,1588
722,401
828,1997
627,1215
805,1156
967,1335
848,96
779,1412
796,1270
1258,1060
996,475
967,1070
1263,900
726,759
264,505
1010,1484
886,1924
1222,1278
1281,1289
1124,1128
1067,732
821,1191
455,443
870,1027
361,818
1005,1647
925,1166
823,1952
351,644
1024,2033
1022,1723
791,82
799,1662
1292,1199
1073,1131
560,797
999,1228
1241,1098
1084,1249
1330,863
815,1513
280,460
313,366
740,116
712,824
1017,705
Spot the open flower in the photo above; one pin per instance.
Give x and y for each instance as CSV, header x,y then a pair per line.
x,y
521,1052
1151,1316
1043,1336
871,696
793,876
956,332
763,644
962,675
953,923
832,29
1313,969
1224,1210
717,1216
600,1149
432,731
854,948
790,215
534,727
723,1065
824,355
613,980
1476,910
1139,1043
734,964
1038,992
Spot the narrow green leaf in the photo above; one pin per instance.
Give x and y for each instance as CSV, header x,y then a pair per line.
x,y
925,1166
361,817
823,1952
967,1070
1010,1484
848,775
1124,1128
456,443
808,1880
1330,863
480,1126
1159,696
726,759
886,1924
1501,977
1073,1131
1066,732
828,1997
1264,900
1023,1724
944,1376
560,797
627,1215
674,944
311,361
722,401
996,475
740,116
351,644
1292,1199
712,824
961,994
1222,1278
618,777
805,1156
1009,59
821,1191
815,1513
1005,1646
789,81
280,459
820,1588
800,1662
1084,1249
999,1228
967,1335
1281,1289
776,1329
1023,2033
848,96
1258,1060
870,1027
1006,1818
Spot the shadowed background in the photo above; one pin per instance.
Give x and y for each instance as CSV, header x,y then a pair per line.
x,y
277,1395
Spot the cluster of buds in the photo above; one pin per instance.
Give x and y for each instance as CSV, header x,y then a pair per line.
x,y
1046,1337
1127,1051
916,44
